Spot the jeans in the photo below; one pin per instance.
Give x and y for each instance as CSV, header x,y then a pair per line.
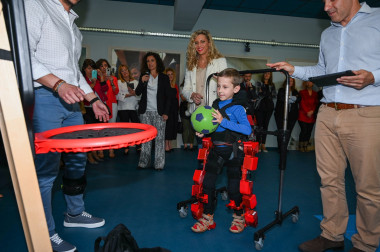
x,y
51,112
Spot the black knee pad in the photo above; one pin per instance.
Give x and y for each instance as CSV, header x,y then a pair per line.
x,y
234,170
74,187
214,163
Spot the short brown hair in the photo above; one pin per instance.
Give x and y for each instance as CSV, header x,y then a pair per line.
x,y
233,74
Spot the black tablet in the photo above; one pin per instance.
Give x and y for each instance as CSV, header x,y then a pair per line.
x,y
329,79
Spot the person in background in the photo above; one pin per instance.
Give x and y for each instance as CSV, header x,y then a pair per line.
x,y
171,128
55,48
347,126
188,133
203,59
264,106
99,88
135,71
294,99
154,107
113,90
127,99
306,114
251,96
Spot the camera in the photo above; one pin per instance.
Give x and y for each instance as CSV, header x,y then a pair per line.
x,y
108,71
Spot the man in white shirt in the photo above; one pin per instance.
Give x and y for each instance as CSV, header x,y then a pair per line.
x,y
55,48
347,126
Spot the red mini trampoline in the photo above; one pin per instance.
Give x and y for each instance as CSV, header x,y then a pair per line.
x,y
89,137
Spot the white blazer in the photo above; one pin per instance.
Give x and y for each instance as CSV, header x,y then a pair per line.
x,y
215,66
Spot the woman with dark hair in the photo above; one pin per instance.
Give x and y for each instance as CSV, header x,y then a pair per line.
x,y
171,128
113,90
293,101
154,107
264,106
99,87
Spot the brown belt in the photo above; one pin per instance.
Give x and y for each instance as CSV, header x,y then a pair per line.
x,y
340,106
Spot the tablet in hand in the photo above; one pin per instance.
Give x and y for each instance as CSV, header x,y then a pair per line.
x,y
329,79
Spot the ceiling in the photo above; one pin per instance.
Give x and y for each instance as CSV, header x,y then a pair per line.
x,y
294,8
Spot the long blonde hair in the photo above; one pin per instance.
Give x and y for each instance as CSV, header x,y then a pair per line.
x,y
120,76
191,53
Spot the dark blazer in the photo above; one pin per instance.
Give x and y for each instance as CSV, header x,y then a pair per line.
x,y
163,95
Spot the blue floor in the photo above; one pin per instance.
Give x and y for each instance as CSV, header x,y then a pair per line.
x,y
145,201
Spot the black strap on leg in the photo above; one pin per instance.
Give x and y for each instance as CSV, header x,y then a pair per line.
x,y
74,187
5,55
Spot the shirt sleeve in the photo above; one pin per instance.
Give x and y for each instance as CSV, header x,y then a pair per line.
x,y
304,73
35,17
242,125
84,85
187,87
376,75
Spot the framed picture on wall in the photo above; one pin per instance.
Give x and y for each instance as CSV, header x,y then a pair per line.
x,y
133,59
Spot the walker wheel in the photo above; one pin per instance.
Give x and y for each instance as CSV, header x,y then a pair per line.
x,y
259,244
183,212
295,218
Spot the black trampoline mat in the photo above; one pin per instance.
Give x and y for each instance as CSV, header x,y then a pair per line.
x,y
85,134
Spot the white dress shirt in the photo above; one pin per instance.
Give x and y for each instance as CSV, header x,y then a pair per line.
x,y
55,42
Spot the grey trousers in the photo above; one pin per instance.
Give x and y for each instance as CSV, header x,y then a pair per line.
x,y
154,119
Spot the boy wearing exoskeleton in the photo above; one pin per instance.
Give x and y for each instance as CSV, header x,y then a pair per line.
x,y
227,151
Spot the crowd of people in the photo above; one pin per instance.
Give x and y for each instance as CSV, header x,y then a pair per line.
x,y
149,94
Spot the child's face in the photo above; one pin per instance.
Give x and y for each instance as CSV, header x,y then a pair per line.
x,y
226,89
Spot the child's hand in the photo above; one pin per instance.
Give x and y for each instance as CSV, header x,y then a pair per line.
x,y
217,116
199,134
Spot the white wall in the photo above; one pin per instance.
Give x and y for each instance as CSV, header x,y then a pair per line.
x,y
157,18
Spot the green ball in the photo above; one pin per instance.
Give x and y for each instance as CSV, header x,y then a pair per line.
x,y
201,120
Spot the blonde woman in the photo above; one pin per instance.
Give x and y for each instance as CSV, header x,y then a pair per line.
x,y
127,101
203,59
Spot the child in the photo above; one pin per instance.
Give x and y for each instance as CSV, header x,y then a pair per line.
x,y
233,125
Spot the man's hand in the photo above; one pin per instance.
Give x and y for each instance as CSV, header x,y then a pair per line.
x,y
165,117
282,66
70,93
361,79
197,98
101,111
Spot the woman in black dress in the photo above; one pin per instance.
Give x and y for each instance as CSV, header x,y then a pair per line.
x,y
172,122
264,106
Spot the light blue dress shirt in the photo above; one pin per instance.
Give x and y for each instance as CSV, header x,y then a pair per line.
x,y
352,47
